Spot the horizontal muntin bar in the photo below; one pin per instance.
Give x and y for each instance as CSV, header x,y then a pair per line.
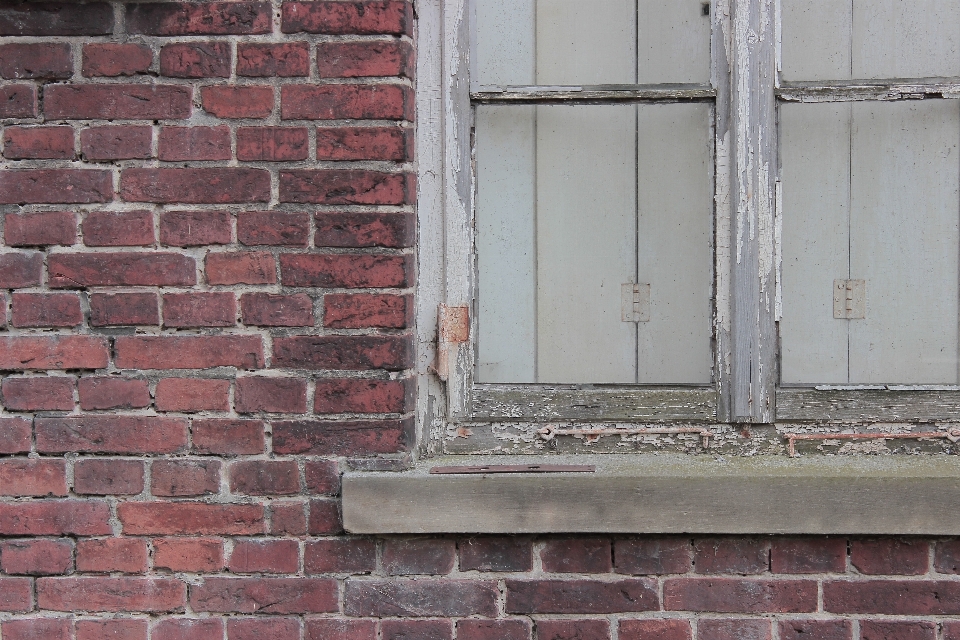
x,y
884,89
596,93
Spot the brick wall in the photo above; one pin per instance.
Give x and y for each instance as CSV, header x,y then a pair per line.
x,y
207,277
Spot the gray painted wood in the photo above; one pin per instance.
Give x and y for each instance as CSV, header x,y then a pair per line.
x,y
590,95
504,43
815,39
867,405
674,41
895,39
859,91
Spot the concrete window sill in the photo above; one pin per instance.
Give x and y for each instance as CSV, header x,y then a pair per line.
x,y
894,494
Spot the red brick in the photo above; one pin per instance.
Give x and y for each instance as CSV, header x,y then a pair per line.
x,y
47,393
111,434
338,186
194,143
730,555
123,555
110,59
192,394
892,597
158,269
653,556
890,556
897,630
190,518
55,518
733,595
195,60
36,557
41,228
343,270
189,352
578,555
117,309
947,556
393,353
320,437
47,60
241,267
340,555
487,553
324,518
193,555
265,477
111,594
188,629
346,101
267,60
38,629
403,557
195,228
116,143
816,630
201,186
119,629
52,352
228,437
734,629
118,229
20,269
573,630
199,18
419,629
55,186
46,310
18,101
199,310
117,102
272,144
364,143
106,477
22,477
287,518
263,628
421,598
393,17
271,395
323,477
473,629
178,478
265,556
238,101
364,59
275,228
808,555
951,630
331,629
16,434
655,630
56,19
265,595
359,311
389,229
38,143
274,310
16,594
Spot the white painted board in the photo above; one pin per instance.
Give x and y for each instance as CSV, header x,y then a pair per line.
x,y
673,41
815,39
505,33
586,42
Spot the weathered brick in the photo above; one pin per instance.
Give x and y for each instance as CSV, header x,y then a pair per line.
x,y
228,437
123,555
55,518
655,630
36,557
267,60
18,100
340,555
581,596
420,629
324,518
22,477
46,310
272,144
364,59
733,629
474,629
320,437
414,556
183,310
37,629
157,269
111,594
52,352
390,229
393,353
194,143
16,434
199,186
110,434
816,630
193,394
55,186
195,228
199,18
360,311
951,630
265,477
241,267
808,555
650,556
106,477
190,518
265,556
263,628
892,597
111,59
322,477
195,60
420,598
116,629
332,629
38,143
364,143
117,102
730,555
39,393
489,553
116,143
265,595
346,101
41,228
343,270
578,555
274,228
890,556
947,556
56,19
188,629
180,478
46,60
189,352
345,186
733,595
897,630
573,630
118,309
275,310
238,101
193,555
287,519
20,269
118,229
16,594
394,17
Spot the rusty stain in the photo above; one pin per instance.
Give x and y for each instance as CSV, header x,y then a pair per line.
x,y
550,431
454,324
463,432
953,435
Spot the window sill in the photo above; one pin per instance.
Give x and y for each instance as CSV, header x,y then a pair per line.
x,y
665,494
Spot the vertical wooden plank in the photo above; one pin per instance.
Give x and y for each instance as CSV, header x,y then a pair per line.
x,y
815,39
674,195
505,42
586,42
673,41
904,241
506,244
721,76
586,242
815,179
896,39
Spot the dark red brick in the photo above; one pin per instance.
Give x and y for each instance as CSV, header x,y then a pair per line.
x,y
238,101
241,267
266,60
108,477
36,557
190,518
892,597
728,629
263,628
194,143
951,630
363,396
189,352
56,19
118,229
46,310
55,186
573,630
731,555
40,228
271,395
118,629
332,629
947,556
735,595
272,144
390,229
20,269
364,59
486,553
38,143
265,595
808,555
20,477
118,309
340,555
195,60
38,629
110,434
360,311
41,353
111,59
200,186
228,437
195,228
194,555
199,18
275,310
419,629
18,100
265,477
655,630
897,630
16,594
578,555
816,630
192,395
288,518
265,556
184,310
275,228
324,518
117,102
116,143
55,518
405,557
890,556
46,60
421,598
111,594
179,478
40,393
188,629
393,353
473,629
346,101
322,476
123,555
394,17
16,434
320,437
343,270
77,270
339,186
364,143
108,392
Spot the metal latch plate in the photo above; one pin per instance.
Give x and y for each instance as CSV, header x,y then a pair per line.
x,y
635,302
849,299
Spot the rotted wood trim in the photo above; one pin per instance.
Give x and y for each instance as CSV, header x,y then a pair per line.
x,y
884,90
539,403
581,95
868,405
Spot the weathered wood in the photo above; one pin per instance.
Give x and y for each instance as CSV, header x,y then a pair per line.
x,y
885,90
867,405
547,403
579,95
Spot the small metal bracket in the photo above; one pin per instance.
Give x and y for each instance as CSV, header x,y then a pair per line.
x,y
849,299
635,302
453,328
